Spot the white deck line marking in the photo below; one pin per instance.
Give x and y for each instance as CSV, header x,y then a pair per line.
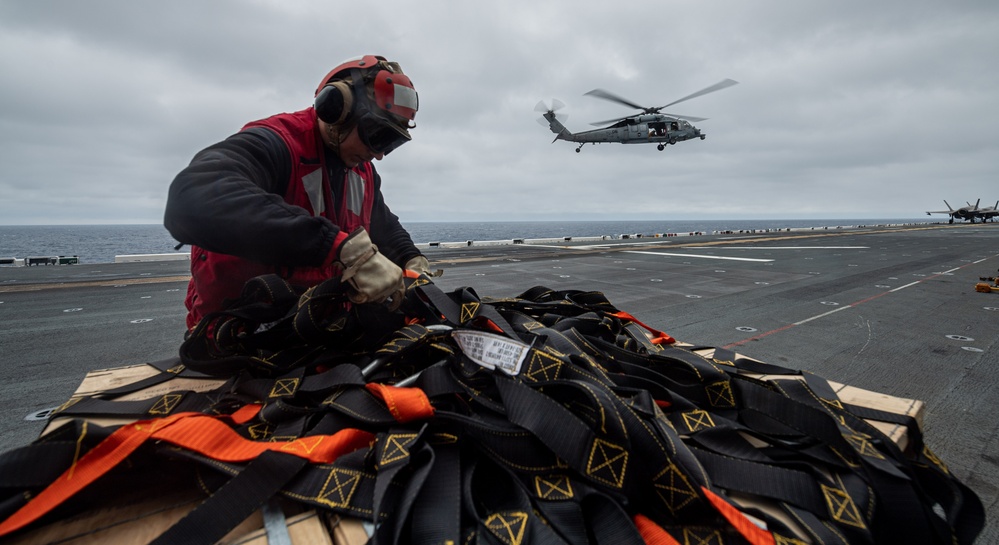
x,y
909,285
781,247
700,256
606,246
823,315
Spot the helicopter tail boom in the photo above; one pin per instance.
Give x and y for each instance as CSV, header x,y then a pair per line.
x,y
556,126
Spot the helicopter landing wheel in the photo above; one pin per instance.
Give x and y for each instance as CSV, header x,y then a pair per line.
x,y
578,149
672,141
661,147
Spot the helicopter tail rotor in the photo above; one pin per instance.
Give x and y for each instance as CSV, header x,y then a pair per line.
x,y
544,109
553,121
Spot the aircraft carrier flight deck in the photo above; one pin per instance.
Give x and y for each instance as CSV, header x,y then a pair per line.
x,y
891,309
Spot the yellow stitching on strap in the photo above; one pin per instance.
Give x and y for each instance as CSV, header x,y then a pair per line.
x,y
508,526
339,488
712,537
554,487
542,366
933,458
841,507
396,447
697,420
166,404
284,387
863,446
468,311
720,394
673,488
607,463
260,431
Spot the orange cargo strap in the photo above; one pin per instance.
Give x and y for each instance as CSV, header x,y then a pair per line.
x,y
659,337
405,404
652,533
207,435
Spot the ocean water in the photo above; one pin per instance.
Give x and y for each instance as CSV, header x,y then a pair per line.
x,y
101,243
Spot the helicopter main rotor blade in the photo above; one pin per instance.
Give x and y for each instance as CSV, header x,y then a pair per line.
x,y
690,118
607,95
716,87
609,121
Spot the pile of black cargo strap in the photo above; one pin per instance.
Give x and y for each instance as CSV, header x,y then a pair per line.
x,y
552,417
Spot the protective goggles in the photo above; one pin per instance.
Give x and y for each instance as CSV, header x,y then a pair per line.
x,y
379,134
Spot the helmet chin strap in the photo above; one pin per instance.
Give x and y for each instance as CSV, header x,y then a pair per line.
x,y
334,137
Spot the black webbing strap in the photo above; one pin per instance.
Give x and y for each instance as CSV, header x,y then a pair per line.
x,y
235,501
171,403
785,485
404,463
500,510
436,511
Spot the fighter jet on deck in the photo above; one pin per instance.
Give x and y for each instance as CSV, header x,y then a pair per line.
x,y
969,213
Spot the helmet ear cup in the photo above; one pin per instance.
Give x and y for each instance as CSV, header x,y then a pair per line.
x,y
335,102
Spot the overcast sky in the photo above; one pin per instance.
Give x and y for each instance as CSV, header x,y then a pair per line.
x,y
844,109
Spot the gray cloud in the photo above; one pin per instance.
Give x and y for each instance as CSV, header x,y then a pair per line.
x,y
845,110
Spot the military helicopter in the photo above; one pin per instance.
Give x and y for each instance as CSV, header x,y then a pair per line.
x,y
648,127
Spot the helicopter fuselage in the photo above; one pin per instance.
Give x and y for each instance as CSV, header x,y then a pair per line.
x,y
651,126
640,129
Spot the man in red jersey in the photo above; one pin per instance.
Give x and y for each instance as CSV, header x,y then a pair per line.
x,y
297,195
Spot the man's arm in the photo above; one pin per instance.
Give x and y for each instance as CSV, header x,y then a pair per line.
x,y
230,200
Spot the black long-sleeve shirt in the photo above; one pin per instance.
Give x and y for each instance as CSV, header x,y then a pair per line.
x,y
230,200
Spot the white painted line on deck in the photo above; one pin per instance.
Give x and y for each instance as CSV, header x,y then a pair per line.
x,y
910,284
639,242
823,315
700,256
780,247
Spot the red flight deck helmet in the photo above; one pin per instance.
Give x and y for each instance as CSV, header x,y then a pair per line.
x,y
373,94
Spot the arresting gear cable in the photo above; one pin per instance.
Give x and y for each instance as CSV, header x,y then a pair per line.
x,y
552,417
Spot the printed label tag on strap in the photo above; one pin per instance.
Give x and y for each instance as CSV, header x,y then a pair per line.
x,y
492,351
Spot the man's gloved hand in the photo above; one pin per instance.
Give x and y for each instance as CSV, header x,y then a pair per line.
x,y
421,265
372,277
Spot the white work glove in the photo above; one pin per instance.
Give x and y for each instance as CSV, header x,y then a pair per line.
x,y
420,265
373,278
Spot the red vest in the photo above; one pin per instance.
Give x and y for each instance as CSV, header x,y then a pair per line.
x,y
217,277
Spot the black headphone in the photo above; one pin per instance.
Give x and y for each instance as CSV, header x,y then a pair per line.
x,y
335,102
